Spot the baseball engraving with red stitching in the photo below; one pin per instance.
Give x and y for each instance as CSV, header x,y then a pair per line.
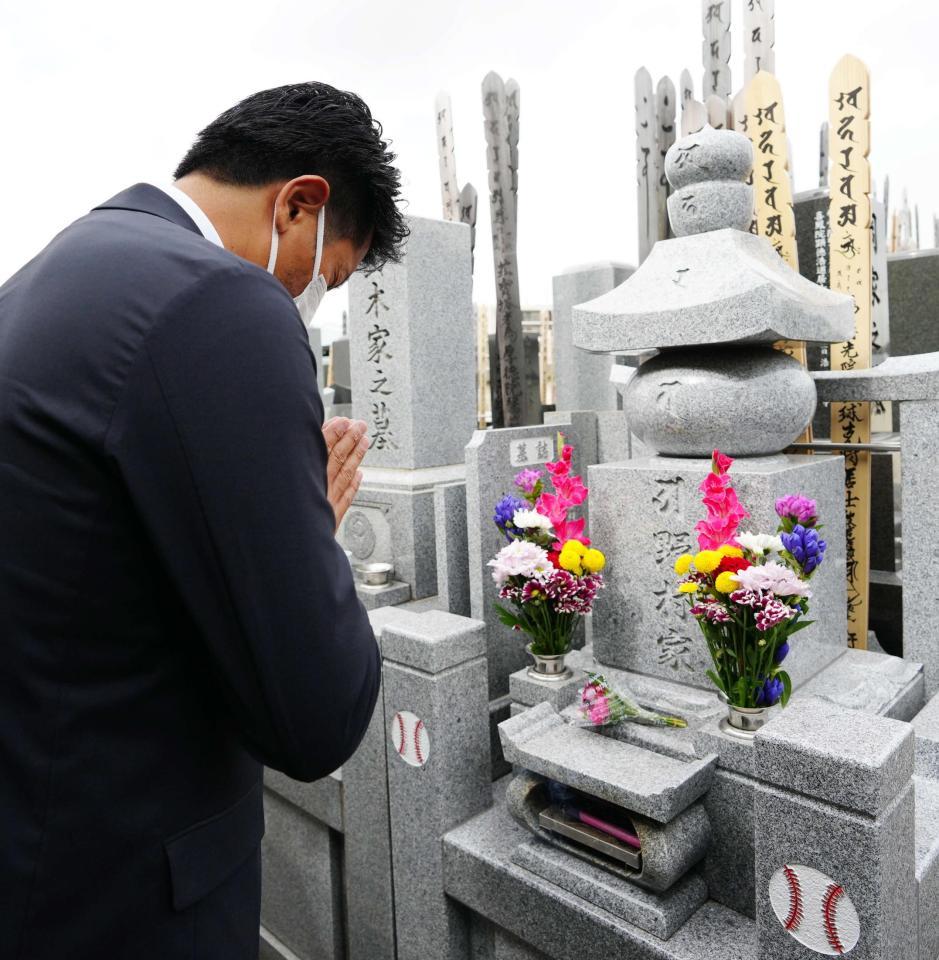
x,y
832,895
410,738
814,909
794,917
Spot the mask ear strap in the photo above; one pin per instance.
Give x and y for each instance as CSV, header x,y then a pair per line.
x,y
275,241
320,231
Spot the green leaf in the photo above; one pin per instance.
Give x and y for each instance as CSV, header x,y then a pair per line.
x,y
801,625
713,677
509,618
787,686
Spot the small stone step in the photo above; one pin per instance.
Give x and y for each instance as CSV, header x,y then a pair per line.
x,y
658,913
656,786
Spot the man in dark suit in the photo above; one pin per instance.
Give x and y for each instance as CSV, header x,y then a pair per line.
x,y
174,608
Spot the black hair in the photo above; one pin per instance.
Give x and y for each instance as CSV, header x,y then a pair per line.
x,y
311,128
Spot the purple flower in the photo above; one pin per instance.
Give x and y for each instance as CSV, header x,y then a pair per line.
x,y
527,479
770,692
797,508
781,652
805,546
748,598
505,510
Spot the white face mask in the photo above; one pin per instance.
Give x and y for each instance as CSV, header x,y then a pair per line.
x,y
312,296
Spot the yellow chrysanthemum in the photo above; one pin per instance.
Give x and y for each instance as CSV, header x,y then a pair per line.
x,y
726,583
574,545
569,560
593,561
683,564
707,561
687,588
727,551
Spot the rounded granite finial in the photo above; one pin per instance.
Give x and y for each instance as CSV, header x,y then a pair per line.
x,y
707,171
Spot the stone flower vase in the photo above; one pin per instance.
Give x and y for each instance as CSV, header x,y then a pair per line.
x,y
551,668
743,722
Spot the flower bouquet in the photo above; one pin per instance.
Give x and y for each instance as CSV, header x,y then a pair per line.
x,y
750,592
547,571
602,705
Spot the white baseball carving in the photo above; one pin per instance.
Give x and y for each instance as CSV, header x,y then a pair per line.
x,y
410,738
815,909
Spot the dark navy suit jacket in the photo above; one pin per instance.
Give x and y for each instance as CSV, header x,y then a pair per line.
x,y
174,608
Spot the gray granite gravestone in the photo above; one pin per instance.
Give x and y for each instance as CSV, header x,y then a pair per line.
x,y
639,622
582,380
413,376
339,358
493,458
914,291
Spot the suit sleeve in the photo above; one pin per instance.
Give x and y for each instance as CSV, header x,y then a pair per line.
x,y
218,437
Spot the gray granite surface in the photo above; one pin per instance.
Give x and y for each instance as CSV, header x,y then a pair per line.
x,y
927,865
872,858
433,641
722,287
479,873
367,868
450,536
528,690
729,866
872,682
914,290
507,947
658,913
758,401
919,459
387,595
581,379
643,517
846,757
301,882
433,669
926,733
897,378
699,207
413,345
321,799
709,155
656,786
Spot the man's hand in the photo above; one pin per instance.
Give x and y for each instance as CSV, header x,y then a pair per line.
x,y
346,441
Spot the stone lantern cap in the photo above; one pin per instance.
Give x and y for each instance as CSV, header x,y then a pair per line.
x,y
717,287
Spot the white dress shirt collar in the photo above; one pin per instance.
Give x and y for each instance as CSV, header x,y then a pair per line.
x,y
196,213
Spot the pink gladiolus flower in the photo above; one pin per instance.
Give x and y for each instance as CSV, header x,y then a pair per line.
x,y
720,462
571,490
566,530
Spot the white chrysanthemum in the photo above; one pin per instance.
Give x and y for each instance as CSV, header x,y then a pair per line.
x,y
759,543
530,520
520,558
773,577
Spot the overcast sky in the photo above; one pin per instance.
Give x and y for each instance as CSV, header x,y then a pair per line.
x,y
101,94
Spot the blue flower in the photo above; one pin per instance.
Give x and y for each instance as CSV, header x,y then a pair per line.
x,y
805,547
781,652
505,511
770,692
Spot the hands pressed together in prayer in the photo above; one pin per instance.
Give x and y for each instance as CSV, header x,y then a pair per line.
x,y
347,441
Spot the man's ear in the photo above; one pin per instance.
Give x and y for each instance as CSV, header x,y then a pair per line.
x,y
304,196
